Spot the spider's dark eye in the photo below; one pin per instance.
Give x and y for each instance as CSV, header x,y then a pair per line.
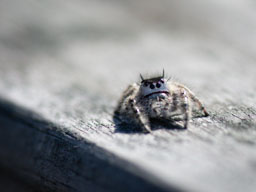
x,y
152,86
145,84
158,85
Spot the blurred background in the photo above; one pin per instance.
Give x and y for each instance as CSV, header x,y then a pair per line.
x,y
112,41
53,51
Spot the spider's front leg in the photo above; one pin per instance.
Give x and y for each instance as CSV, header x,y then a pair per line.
x,y
139,116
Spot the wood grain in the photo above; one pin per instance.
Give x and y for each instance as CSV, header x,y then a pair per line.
x,y
64,65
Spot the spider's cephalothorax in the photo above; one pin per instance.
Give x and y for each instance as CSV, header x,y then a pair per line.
x,y
157,98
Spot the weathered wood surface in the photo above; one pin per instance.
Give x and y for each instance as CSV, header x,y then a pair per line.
x,y
64,64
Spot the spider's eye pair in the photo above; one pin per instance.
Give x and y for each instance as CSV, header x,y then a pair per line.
x,y
151,85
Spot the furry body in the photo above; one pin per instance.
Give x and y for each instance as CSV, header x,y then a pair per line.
x,y
157,98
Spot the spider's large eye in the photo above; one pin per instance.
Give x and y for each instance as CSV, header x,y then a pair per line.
x,y
158,85
152,86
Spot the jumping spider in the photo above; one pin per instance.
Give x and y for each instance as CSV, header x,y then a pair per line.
x,y
157,98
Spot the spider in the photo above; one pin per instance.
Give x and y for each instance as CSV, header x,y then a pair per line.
x,y
157,98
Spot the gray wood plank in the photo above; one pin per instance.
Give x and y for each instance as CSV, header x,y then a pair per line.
x,y
68,62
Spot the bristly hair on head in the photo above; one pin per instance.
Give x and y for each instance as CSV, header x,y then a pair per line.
x,y
154,78
142,79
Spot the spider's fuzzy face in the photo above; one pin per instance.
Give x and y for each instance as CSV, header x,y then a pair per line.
x,y
153,86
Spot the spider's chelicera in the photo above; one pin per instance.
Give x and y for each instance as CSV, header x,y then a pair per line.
x,y
157,98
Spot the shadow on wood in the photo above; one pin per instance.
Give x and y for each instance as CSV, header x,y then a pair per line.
x,y
133,128
46,157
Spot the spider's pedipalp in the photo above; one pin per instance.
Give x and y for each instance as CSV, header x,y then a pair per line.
x,y
139,117
185,107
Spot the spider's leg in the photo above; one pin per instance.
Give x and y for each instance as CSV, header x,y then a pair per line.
x,y
139,116
128,93
185,107
195,99
128,107
199,104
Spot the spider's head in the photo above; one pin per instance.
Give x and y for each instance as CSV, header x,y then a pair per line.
x,y
153,86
